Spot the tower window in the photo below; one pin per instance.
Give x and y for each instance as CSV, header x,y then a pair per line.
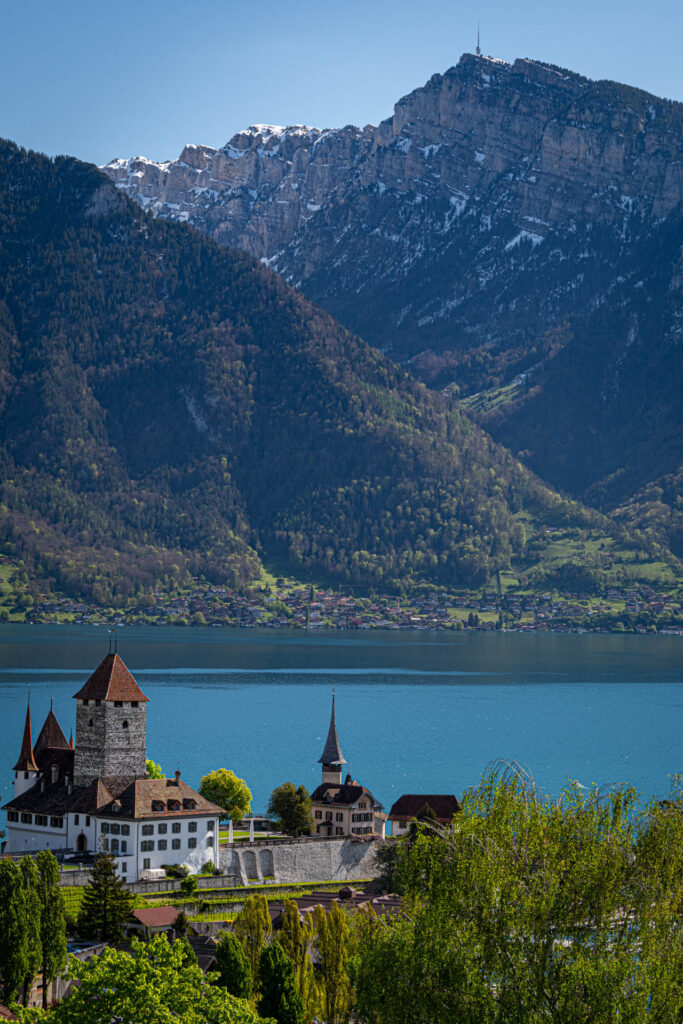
x,y
98,703
134,703
85,703
90,723
118,703
124,723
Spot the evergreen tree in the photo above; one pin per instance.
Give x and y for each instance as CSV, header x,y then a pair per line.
x,y
332,943
252,927
52,920
279,996
14,957
106,904
296,936
33,905
233,967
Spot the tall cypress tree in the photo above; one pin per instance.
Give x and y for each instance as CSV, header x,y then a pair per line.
x,y
253,927
13,932
52,920
296,936
33,907
106,904
233,966
279,996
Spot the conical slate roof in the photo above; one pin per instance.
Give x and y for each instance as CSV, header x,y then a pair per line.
x,y
111,680
27,761
51,734
332,753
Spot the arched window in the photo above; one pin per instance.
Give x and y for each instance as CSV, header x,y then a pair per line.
x,y
124,723
90,723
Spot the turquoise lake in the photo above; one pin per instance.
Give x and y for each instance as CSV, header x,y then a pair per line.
x,y
416,712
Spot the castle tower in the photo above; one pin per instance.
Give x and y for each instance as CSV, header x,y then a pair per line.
x,y
332,758
111,725
26,769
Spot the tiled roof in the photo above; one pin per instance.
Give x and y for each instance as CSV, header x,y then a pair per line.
x,y
121,796
332,753
51,734
345,795
156,917
111,680
444,805
26,762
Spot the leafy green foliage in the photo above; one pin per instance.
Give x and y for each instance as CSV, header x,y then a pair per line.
x,y
290,805
156,983
31,884
153,770
224,788
253,927
279,996
233,966
14,948
332,943
296,937
533,909
106,903
52,919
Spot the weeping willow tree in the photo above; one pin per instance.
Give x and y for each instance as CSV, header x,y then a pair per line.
x,y
534,909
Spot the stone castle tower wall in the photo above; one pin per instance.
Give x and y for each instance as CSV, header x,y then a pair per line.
x,y
110,740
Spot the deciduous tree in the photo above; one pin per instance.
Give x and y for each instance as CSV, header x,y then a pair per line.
x,y
14,952
332,941
252,927
33,915
291,806
52,921
222,787
295,937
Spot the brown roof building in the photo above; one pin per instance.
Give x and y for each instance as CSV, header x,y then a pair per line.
x,y
411,806
343,808
95,795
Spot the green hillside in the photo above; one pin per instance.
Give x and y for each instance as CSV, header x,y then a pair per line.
x,y
169,408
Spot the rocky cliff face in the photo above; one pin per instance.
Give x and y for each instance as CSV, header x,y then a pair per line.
x,y
509,225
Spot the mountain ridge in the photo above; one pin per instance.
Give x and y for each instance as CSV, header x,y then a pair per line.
x,y
509,222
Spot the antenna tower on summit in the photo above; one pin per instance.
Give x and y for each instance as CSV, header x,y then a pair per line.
x,y
478,49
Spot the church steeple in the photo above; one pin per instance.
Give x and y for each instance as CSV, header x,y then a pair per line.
x,y
332,758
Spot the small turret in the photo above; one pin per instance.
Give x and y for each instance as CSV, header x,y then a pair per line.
x,y
26,769
332,758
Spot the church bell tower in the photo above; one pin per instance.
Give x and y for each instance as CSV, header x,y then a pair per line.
x,y
332,758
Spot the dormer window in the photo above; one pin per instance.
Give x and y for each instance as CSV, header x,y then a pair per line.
x,y
174,805
189,805
158,805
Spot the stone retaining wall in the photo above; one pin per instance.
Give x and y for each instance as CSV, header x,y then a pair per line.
x,y
300,860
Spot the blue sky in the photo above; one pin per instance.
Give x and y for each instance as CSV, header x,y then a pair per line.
x,y
99,80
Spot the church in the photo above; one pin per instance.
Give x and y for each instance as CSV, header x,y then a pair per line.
x,y
94,795
343,808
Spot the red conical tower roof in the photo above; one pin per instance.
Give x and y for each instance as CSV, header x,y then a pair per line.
x,y
27,761
111,680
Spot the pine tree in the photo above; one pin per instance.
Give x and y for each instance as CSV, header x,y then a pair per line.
x,y
252,927
13,932
52,921
33,905
279,997
296,936
234,967
332,943
106,904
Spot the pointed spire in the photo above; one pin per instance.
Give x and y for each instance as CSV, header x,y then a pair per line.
x,y
332,754
51,734
71,740
27,761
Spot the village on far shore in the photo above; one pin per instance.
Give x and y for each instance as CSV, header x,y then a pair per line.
x,y
278,602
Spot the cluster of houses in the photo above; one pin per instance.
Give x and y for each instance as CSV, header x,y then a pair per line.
x,y
80,798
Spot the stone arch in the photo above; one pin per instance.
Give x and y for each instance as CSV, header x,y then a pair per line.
x,y
250,867
267,864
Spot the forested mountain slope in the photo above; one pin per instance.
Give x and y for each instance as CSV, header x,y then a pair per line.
x,y
168,407
514,230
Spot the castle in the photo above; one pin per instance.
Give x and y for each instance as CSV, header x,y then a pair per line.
x,y
343,808
95,795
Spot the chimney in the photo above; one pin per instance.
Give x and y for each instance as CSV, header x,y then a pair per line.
x,y
177,776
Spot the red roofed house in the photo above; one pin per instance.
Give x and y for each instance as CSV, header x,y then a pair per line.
x,y
343,809
96,796
411,805
150,921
